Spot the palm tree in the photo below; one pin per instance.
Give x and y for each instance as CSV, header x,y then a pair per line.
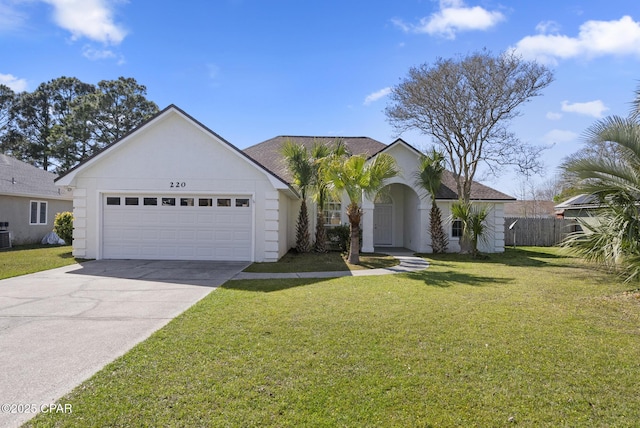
x,y
357,176
321,154
474,226
429,177
614,239
301,168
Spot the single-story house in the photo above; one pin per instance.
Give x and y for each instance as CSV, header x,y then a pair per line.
x,y
29,201
174,189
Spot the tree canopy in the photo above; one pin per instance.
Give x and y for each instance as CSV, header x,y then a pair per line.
x,y
466,105
65,120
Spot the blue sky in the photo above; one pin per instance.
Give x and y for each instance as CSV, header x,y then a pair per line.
x,y
251,70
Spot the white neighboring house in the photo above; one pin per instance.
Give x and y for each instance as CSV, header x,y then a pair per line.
x,y
175,190
29,201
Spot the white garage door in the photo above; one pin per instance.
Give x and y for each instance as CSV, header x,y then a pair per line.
x,y
211,227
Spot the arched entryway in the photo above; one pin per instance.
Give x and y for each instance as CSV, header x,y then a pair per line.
x,y
398,216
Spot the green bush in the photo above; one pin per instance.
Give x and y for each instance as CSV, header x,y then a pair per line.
x,y
338,237
63,226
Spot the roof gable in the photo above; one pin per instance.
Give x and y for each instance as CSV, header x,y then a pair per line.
x,y
448,188
18,178
161,117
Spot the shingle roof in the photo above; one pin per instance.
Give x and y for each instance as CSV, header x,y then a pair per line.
x,y
268,153
478,191
18,178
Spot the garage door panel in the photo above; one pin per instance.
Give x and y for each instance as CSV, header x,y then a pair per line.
x,y
177,232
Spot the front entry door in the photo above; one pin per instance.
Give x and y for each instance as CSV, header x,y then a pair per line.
x,y
382,231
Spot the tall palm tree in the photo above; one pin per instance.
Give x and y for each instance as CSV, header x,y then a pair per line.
x,y
614,239
429,177
357,176
301,168
321,155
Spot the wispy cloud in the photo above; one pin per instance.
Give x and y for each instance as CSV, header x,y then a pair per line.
x,y
376,96
92,19
16,84
554,116
453,17
594,39
590,108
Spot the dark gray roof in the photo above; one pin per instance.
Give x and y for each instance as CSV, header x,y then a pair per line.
x,y
18,178
479,192
268,153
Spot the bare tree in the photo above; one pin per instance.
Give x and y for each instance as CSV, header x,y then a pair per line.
x,y
466,105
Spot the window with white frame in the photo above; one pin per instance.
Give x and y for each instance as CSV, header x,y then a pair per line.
x,y
456,228
38,212
332,213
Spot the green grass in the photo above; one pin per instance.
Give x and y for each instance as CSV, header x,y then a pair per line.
x,y
327,262
26,259
528,338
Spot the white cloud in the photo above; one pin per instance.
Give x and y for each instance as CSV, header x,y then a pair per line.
x,y
17,85
377,95
559,136
590,108
453,17
92,19
595,38
554,116
546,27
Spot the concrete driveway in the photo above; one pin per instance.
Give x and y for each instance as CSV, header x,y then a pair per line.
x,y
59,327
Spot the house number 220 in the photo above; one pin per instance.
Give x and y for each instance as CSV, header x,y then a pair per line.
x,y
175,184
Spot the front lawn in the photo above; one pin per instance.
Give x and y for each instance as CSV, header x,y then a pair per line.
x,y
327,262
528,338
26,259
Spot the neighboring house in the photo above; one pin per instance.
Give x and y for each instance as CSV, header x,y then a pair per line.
x,y
173,189
580,206
29,200
530,209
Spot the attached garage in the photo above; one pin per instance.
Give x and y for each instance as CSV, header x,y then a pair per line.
x,y
175,190
191,227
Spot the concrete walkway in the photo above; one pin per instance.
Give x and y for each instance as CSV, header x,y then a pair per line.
x,y
408,263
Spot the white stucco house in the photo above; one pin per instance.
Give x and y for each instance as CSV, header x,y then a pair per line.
x,y
173,189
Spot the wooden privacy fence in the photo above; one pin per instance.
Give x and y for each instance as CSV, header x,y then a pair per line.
x,y
539,232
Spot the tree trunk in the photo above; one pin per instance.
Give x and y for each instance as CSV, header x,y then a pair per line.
x,y
303,240
321,235
355,215
439,240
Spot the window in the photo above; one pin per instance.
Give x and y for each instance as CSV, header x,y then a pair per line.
x,y
186,202
205,202
38,212
242,202
224,202
332,213
112,200
168,202
150,201
456,228
131,201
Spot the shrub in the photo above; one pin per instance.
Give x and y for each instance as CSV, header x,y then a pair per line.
x,y
338,237
63,226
